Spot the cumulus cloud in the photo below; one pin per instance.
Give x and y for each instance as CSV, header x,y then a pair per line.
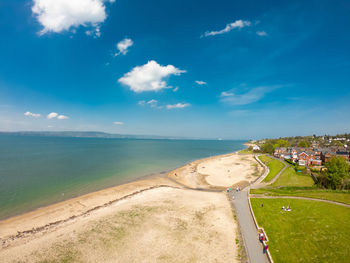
x,y
200,82
63,15
253,95
118,123
237,24
52,115
30,114
62,117
149,77
261,33
177,106
55,115
123,46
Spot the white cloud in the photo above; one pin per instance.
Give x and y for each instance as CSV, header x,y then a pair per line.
x,y
152,103
237,24
226,94
52,115
149,77
123,46
253,95
30,114
176,89
200,82
177,106
63,15
118,123
261,33
62,117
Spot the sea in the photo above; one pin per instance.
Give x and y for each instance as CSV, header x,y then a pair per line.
x,y
37,171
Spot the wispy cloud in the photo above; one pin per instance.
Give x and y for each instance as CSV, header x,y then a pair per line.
x,y
30,114
123,46
152,103
63,15
118,123
261,33
177,106
200,82
253,95
227,94
149,77
237,24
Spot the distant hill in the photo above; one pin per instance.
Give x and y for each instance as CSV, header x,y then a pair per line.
x,y
90,134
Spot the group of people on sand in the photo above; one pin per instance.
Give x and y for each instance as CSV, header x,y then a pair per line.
x,y
230,189
286,208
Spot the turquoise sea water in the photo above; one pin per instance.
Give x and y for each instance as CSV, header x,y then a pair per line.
x,y
38,171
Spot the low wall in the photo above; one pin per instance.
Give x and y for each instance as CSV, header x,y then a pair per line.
x,y
260,229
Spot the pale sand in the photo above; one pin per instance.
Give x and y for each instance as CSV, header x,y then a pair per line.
x,y
218,172
159,225
151,220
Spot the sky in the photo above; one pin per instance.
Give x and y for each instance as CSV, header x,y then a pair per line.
x,y
201,69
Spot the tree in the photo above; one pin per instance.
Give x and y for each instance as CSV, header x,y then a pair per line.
x,y
268,148
337,170
303,144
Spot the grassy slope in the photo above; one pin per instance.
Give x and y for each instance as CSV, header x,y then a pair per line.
x,y
311,232
274,165
338,196
290,178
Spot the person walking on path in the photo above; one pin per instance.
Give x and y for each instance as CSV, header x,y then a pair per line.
x,y
266,247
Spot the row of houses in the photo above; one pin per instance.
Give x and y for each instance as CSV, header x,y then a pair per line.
x,y
311,156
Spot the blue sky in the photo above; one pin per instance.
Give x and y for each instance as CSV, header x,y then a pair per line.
x,y
206,69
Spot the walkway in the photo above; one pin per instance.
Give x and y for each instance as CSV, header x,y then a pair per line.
x,y
248,229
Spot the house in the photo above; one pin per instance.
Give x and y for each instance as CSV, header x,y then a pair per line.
x,y
343,153
256,148
285,155
294,154
278,151
303,159
309,158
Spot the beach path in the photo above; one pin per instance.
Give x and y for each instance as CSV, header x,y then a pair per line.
x,y
248,229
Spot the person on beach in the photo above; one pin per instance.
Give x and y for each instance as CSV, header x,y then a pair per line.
x,y
237,189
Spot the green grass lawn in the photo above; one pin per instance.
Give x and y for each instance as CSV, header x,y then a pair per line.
x,y
246,151
291,178
333,195
312,232
274,165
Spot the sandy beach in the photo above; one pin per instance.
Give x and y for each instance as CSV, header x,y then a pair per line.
x,y
159,219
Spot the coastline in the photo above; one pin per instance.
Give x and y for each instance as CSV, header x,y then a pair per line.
x,y
17,230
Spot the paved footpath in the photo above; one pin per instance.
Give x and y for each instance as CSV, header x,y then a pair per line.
x,y
249,232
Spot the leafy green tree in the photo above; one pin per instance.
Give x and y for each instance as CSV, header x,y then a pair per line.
x,y
268,148
303,144
337,170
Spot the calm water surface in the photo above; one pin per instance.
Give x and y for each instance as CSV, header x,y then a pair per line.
x,y
38,171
